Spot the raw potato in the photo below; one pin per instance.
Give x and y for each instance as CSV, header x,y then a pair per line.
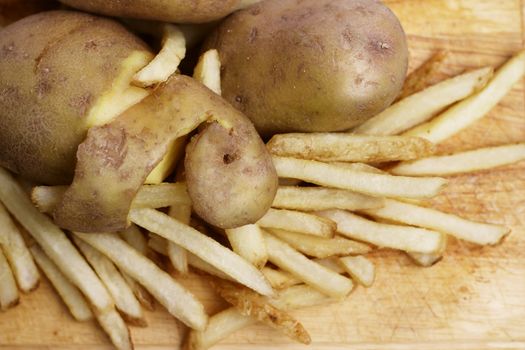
x,y
60,73
287,70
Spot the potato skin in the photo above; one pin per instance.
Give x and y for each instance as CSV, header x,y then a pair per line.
x,y
180,11
311,65
53,67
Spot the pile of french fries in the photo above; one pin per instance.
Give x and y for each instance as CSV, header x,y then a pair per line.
x,y
342,196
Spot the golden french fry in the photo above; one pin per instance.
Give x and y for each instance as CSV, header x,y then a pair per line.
x,y
116,328
70,295
463,162
359,268
453,225
9,296
345,147
297,221
333,175
406,238
321,198
422,106
425,260
248,242
175,298
16,252
476,106
178,255
279,279
320,247
208,70
142,295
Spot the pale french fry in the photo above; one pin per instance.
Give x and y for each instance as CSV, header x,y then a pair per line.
x,y
283,181
297,221
175,298
142,295
158,244
410,239
331,263
345,147
313,274
54,243
422,106
202,246
464,162
16,252
279,279
202,265
360,269
70,295
208,71
135,238
46,198
249,303
125,300
425,260
166,61
248,242
367,168
178,255
476,106
301,296
453,225
321,198
9,296
333,175
320,247
116,328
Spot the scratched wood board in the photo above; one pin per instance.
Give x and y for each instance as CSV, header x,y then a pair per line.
x,y
473,299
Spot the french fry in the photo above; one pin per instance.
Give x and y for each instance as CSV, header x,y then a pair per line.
x,y
202,246
359,268
422,106
249,303
279,279
70,295
135,238
142,295
333,175
320,247
116,328
202,265
125,300
297,222
46,198
321,198
208,70
476,106
178,255
345,147
404,238
166,61
425,260
464,162
16,252
453,225
331,263
367,168
248,242
158,244
9,296
175,298
313,274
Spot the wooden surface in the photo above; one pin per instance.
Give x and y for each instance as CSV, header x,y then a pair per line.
x,y
473,299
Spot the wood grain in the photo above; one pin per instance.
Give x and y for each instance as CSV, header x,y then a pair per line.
x,y
473,299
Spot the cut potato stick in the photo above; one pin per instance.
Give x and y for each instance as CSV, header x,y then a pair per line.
x,y
313,274
9,296
425,260
297,221
134,237
331,263
16,252
178,255
344,147
202,246
422,106
116,328
167,60
279,279
125,300
404,238
453,225
333,175
208,71
142,295
360,269
464,162
202,265
367,168
320,198
175,298
158,244
46,198
248,242
475,107
70,295
54,243
249,303
320,247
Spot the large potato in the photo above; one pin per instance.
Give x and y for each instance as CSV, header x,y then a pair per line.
x,y
311,65
180,11
61,73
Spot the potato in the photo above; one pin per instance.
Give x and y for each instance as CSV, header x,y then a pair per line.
x,y
60,73
311,65
180,11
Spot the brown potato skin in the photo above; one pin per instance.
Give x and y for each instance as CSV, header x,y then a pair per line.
x,y
53,67
180,11
311,65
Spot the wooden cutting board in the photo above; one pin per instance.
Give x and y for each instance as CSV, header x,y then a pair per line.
x,y
473,299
